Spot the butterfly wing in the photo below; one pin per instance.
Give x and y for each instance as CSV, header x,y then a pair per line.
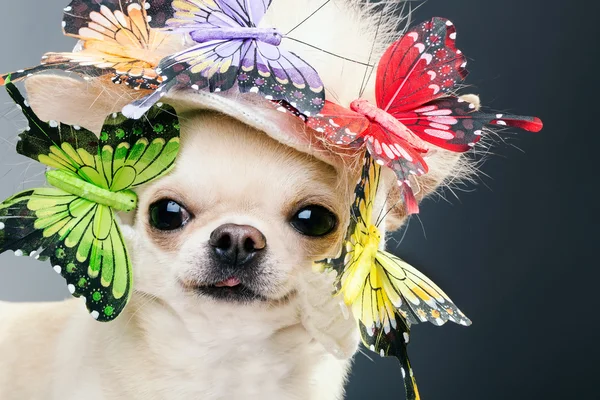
x,y
281,75
453,124
116,41
386,294
422,66
80,238
214,65
93,63
395,295
388,342
218,64
361,214
186,16
57,145
248,12
414,295
256,67
134,152
192,15
394,284
129,153
415,80
389,335
338,125
392,151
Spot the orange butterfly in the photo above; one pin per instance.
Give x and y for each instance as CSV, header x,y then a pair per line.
x,y
115,41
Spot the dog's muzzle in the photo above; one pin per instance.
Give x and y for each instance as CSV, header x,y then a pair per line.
x,y
236,252
237,246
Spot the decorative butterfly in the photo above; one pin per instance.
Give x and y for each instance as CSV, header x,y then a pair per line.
x,y
116,41
385,293
73,222
415,82
230,49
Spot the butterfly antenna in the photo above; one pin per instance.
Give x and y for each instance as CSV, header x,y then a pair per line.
x,y
364,353
422,226
404,233
418,187
330,53
309,17
363,85
366,79
383,215
6,173
333,94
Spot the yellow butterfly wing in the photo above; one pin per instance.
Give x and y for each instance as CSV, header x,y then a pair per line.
x,y
383,329
385,293
414,295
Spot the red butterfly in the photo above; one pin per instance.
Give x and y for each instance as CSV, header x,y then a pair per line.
x,y
416,78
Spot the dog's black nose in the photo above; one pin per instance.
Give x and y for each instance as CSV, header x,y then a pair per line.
x,y
237,244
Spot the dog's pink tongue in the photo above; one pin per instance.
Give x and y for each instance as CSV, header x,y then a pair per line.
x,y
231,282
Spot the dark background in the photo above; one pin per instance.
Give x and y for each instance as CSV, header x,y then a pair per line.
x,y
514,253
517,253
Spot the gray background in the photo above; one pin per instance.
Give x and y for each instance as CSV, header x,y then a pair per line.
x,y
515,252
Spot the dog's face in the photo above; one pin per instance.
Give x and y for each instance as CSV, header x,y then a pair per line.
x,y
237,221
240,218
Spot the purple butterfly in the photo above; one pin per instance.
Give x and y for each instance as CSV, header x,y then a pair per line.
x,y
230,49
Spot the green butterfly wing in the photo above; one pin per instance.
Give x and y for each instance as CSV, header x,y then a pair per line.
x,y
79,237
129,153
134,152
56,145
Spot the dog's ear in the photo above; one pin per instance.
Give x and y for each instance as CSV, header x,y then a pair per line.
x,y
444,167
76,101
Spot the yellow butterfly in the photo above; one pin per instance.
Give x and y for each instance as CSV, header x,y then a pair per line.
x,y
115,41
385,293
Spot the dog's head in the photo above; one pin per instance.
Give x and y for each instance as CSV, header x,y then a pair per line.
x,y
241,217
238,219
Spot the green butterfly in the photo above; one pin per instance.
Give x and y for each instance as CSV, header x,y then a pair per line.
x,y
73,222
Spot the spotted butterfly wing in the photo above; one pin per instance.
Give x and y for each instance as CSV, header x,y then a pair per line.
x,y
231,50
385,293
280,74
415,82
76,229
389,342
422,66
389,150
339,125
116,41
79,237
128,154
411,293
393,343
192,15
453,123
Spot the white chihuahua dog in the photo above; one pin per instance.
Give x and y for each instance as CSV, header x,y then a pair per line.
x,y
226,304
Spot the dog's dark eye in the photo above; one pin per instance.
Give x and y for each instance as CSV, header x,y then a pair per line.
x,y
314,221
167,215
